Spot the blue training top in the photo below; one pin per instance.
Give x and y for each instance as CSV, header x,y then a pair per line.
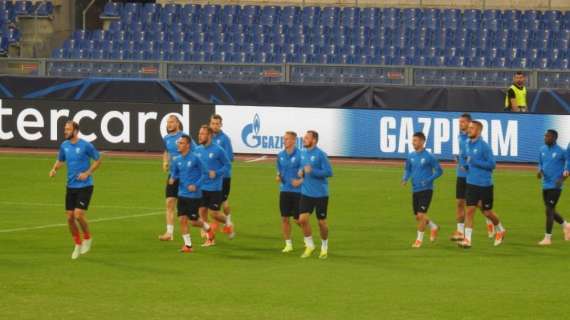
x,y
551,162
288,166
315,183
480,163
214,158
78,157
224,141
423,168
189,170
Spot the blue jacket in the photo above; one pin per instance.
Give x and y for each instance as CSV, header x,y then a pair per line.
x,y
315,183
213,158
171,146
222,140
461,173
479,163
288,166
78,157
189,170
552,160
423,168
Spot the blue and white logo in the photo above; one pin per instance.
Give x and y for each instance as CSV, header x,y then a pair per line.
x,y
250,133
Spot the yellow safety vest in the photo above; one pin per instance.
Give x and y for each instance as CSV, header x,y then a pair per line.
x,y
520,96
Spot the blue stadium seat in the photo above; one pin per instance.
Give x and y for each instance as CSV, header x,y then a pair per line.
x,y
112,9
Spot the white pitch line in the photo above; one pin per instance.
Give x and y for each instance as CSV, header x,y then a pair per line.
x,y
40,204
256,159
90,221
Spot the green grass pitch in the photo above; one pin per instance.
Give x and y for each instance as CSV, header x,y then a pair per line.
x,y
371,273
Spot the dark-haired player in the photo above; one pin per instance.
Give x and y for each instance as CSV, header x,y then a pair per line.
x,y
423,168
77,153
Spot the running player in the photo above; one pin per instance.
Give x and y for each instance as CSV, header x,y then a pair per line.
x,y
479,163
78,154
174,129
222,140
190,172
552,160
217,164
315,171
288,165
423,168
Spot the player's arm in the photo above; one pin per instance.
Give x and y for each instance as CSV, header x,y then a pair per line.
x,y
56,166
203,176
407,172
96,156
230,149
279,169
437,171
165,161
326,169
175,175
486,161
225,164
567,171
540,168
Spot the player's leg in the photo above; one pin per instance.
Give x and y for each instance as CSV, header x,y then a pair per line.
x,y
306,207
82,204
487,198
288,207
70,204
171,193
215,205
226,187
551,198
421,223
321,213
472,197
183,209
460,207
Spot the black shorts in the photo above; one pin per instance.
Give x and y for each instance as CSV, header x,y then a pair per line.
x,y
310,204
78,198
212,200
474,194
289,204
421,201
226,186
460,188
171,189
189,207
550,197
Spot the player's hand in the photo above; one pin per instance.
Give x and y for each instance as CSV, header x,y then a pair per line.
x,y
301,174
171,181
83,176
192,188
308,169
539,175
404,183
296,182
165,166
566,173
278,178
52,173
212,174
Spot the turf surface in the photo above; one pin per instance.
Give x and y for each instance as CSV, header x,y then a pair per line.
x,y
371,273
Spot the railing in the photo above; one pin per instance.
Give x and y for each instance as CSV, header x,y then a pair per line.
x,y
283,73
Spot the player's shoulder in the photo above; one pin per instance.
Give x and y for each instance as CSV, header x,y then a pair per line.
x,y
322,152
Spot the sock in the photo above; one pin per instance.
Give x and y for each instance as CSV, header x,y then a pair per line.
x,y
420,236
461,227
289,242
309,242
488,221
432,225
206,226
86,235
468,232
547,236
187,240
499,227
77,239
169,228
229,220
324,244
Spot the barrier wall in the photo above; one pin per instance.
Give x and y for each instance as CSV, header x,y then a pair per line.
x,y
387,133
109,125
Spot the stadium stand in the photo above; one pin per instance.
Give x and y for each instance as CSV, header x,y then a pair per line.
x,y
11,11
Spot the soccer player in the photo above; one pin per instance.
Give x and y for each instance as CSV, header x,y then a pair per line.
x,y
461,183
78,154
552,160
174,129
422,167
288,165
315,171
190,172
222,140
217,164
479,163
